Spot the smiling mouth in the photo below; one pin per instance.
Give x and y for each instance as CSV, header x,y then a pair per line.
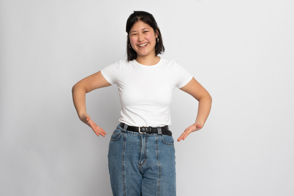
x,y
143,45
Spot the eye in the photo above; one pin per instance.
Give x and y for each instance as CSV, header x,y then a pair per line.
x,y
145,31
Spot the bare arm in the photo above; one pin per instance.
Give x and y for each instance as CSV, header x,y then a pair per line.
x,y
195,89
79,91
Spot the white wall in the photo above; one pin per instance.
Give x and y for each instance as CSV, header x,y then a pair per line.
x,y
240,51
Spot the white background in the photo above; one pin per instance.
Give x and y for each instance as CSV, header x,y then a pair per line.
x,y
241,51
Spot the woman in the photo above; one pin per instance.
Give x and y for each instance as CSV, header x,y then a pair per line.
x,y
141,156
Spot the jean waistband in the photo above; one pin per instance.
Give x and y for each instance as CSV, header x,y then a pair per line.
x,y
144,129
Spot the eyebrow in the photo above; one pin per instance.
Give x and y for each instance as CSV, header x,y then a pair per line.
x,y
142,29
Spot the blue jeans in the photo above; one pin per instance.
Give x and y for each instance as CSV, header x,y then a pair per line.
x,y
141,164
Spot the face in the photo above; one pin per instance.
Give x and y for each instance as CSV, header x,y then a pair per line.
x,y
142,34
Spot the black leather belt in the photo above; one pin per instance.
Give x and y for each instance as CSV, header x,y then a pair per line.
x,y
149,129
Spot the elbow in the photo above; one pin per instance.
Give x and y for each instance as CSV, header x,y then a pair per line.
x,y
206,97
79,86
209,97
73,87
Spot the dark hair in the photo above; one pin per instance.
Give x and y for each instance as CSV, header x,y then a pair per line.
x,y
148,19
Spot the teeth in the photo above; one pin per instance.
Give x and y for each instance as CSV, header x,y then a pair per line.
x,y
143,44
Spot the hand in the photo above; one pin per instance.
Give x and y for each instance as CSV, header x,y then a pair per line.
x,y
194,127
97,130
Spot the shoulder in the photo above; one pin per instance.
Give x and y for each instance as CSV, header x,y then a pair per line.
x,y
168,62
176,65
120,63
171,64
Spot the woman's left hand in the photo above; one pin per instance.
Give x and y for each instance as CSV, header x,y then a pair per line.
x,y
194,127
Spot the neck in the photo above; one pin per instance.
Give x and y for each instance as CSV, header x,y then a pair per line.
x,y
148,60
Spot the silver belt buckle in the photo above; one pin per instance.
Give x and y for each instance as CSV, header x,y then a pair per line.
x,y
140,131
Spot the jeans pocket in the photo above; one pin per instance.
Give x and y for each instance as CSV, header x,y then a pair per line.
x,y
116,135
167,139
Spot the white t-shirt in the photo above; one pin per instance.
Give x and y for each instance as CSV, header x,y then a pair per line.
x,y
146,91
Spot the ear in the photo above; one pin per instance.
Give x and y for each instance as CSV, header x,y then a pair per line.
x,y
157,33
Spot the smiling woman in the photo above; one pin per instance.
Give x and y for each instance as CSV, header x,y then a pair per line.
x,y
141,154
142,40
142,29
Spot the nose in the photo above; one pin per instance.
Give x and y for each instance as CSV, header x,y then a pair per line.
x,y
140,37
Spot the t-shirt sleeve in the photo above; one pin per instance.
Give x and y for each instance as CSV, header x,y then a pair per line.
x,y
110,72
183,75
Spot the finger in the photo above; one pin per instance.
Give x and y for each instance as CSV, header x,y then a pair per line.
x,y
97,132
185,134
100,131
180,138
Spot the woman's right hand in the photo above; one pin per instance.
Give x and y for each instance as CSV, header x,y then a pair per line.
x,y
97,130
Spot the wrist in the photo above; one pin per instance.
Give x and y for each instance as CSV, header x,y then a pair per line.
x,y
82,115
199,122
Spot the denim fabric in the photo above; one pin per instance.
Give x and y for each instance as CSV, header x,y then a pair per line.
x,y
141,164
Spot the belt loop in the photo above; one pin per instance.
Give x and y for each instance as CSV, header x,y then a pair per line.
x,y
125,127
159,130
